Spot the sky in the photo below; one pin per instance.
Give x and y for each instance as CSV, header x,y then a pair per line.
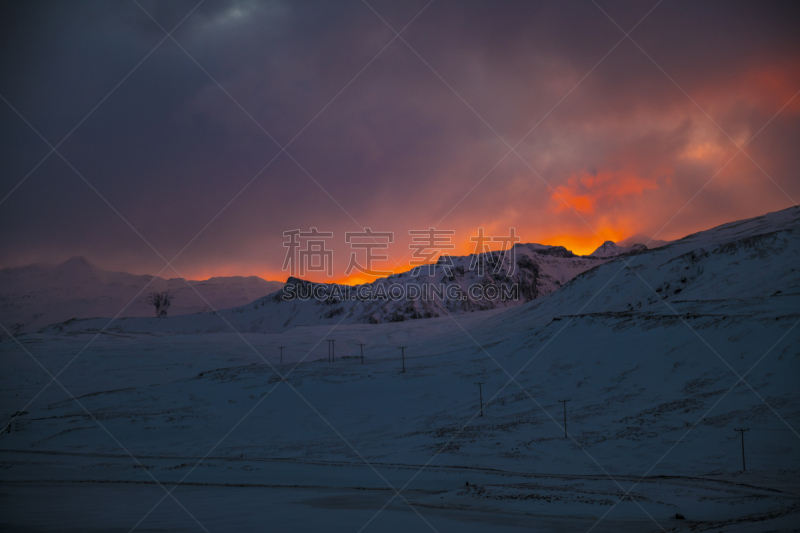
x,y
257,118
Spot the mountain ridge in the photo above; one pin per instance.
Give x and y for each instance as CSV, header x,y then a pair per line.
x,y
549,279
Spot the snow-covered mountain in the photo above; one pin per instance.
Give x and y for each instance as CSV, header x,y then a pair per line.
x,y
36,295
461,285
611,249
713,264
465,284
640,238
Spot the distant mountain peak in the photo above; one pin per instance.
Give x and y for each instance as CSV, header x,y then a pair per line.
x,y
640,238
607,249
78,260
75,268
612,249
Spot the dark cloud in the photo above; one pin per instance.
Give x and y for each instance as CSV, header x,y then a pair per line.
x,y
396,149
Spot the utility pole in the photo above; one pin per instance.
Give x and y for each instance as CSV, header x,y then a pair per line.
x,y
362,351
741,431
403,354
331,350
480,395
281,349
565,416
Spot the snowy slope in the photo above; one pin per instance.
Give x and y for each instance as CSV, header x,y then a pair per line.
x,y
37,295
750,260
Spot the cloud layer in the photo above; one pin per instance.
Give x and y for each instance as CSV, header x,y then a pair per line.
x,y
611,137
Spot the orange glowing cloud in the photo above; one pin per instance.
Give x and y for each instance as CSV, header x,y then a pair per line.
x,y
764,87
772,87
585,192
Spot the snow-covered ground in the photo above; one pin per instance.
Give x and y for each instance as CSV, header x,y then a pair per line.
x,y
650,349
